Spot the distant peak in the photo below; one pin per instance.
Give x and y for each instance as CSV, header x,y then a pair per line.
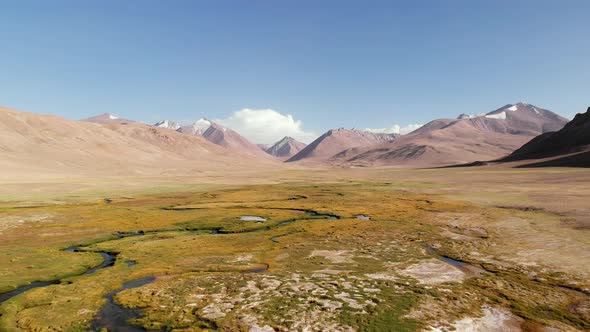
x,y
167,124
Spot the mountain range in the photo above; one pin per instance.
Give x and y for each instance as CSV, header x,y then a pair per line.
x,y
109,144
47,145
461,140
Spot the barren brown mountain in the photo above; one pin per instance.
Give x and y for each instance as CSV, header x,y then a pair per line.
x,y
47,145
337,140
216,134
231,140
286,148
455,141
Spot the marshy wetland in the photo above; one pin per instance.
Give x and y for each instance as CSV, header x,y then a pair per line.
x,y
328,256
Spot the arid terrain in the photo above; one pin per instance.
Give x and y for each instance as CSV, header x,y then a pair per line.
x,y
469,249
294,166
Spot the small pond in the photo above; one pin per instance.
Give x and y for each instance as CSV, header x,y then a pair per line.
x,y
252,218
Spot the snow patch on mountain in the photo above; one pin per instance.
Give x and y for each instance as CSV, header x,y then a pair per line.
x,y
469,116
167,124
500,116
395,129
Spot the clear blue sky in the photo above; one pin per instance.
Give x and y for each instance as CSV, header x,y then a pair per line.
x,y
329,63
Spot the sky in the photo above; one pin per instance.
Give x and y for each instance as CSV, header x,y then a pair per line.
x,y
304,66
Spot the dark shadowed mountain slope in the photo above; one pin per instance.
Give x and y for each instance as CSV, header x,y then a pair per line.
x,y
573,138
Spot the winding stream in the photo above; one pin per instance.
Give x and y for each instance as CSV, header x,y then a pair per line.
x,y
462,266
8,295
110,258
115,317
108,261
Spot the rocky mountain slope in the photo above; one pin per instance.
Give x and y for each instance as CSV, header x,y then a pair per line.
x,y
197,128
454,141
337,140
285,148
231,140
571,145
216,134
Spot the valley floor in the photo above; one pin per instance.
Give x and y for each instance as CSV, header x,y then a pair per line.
x,y
468,249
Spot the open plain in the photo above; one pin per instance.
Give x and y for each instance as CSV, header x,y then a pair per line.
x,y
294,166
467,249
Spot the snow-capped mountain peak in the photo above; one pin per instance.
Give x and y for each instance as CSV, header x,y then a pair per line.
x,y
167,124
500,116
196,128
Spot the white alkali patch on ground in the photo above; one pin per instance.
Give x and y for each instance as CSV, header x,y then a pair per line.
x,y
433,271
288,301
382,276
334,256
244,258
493,320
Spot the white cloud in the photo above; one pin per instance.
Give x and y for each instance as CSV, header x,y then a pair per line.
x,y
266,126
397,129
